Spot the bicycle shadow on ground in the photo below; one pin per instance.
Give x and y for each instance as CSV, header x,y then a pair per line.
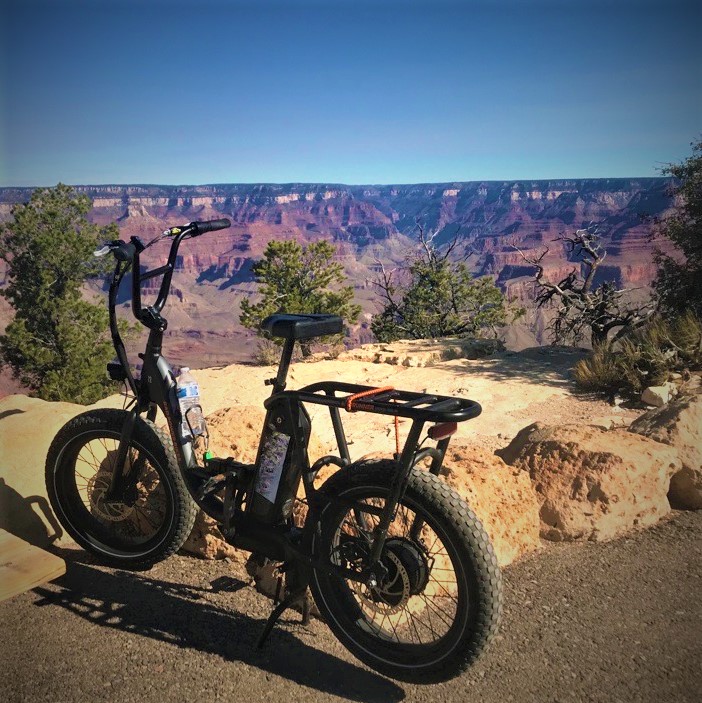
x,y
181,615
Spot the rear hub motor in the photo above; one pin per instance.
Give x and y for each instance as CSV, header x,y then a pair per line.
x,y
408,574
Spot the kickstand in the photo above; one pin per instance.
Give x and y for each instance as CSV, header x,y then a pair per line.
x,y
279,609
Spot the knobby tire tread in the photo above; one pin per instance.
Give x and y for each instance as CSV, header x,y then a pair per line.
x,y
159,444
474,543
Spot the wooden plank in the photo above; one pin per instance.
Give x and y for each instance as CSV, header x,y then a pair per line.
x,y
24,566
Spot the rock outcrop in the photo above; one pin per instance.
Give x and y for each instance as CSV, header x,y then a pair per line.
x,y
500,495
423,352
593,484
658,396
679,424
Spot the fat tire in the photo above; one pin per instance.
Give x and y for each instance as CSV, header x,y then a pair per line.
x,y
480,571
181,509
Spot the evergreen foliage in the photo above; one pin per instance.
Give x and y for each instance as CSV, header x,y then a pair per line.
x,y
679,281
58,344
300,279
440,299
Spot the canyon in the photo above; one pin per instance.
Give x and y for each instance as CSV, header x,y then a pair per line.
x,y
370,225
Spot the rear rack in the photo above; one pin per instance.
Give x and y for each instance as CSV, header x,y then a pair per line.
x,y
416,406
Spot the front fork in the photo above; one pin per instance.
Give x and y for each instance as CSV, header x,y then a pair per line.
x,y
157,388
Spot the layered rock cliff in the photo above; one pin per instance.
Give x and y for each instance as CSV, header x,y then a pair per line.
x,y
376,223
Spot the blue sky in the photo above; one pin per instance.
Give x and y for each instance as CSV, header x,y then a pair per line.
x,y
390,91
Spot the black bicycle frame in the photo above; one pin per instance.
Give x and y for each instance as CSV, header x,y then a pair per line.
x,y
157,385
270,531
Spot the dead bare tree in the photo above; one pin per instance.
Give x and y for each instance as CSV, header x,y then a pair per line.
x,y
582,306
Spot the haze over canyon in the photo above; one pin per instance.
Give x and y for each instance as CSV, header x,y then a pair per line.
x,y
368,224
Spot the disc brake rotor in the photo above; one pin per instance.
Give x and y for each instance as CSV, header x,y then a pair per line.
x,y
392,595
97,487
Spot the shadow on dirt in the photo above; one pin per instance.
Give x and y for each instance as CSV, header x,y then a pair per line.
x,y
184,616
548,366
18,516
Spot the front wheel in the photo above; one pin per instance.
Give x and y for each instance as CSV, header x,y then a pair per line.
x,y
154,517
440,602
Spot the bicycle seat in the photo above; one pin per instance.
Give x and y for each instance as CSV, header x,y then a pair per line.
x,y
302,326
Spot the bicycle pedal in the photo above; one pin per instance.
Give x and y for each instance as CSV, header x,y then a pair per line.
x,y
214,484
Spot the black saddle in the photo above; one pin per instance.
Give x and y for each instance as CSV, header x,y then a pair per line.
x,y
302,326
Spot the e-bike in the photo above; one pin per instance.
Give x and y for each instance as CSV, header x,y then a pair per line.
x,y
399,566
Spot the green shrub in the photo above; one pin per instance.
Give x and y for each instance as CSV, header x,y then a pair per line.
x,y
644,357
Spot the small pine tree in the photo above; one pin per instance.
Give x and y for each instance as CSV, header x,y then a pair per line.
x,y
441,299
298,279
58,344
679,281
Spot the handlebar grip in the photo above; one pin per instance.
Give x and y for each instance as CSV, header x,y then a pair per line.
x,y
210,226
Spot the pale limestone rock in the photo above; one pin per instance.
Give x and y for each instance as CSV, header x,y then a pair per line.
x,y
658,395
679,424
27,428
593,483
418,353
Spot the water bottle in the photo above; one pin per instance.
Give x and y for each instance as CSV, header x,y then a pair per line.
x,y
189,397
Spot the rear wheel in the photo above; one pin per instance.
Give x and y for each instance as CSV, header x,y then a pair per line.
x,y
150,522
438,606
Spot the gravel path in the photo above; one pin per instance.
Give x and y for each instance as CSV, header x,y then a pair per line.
x,y
594,622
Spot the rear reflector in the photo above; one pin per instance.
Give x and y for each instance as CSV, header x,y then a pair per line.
x,y
442,430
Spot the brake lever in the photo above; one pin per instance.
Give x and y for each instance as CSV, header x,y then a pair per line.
x,y
107,248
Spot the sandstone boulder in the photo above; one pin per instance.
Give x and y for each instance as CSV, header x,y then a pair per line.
x,y
501,496
206,541
593,483
679,424
236,431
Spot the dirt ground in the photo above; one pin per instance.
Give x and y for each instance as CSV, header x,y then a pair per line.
x,y
619,621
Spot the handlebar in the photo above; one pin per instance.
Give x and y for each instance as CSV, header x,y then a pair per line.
x,y
127,255
129,252
209,226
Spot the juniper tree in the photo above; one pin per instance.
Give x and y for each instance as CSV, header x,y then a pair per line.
x,y
299,279
436,296
679,281
58,343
